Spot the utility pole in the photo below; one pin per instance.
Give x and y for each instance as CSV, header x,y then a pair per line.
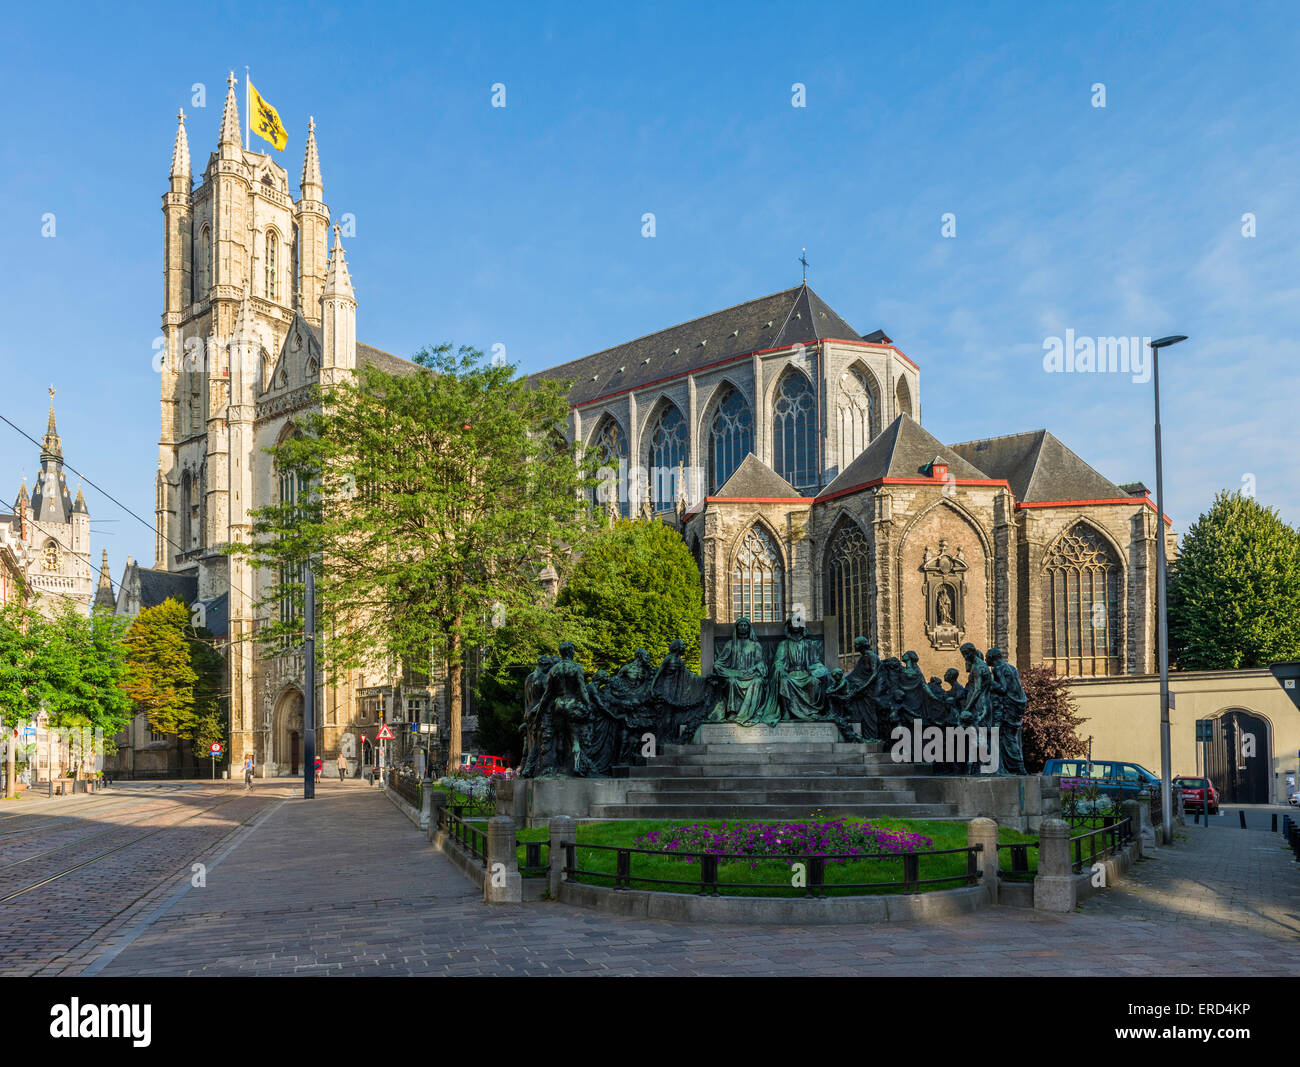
x,y
309,688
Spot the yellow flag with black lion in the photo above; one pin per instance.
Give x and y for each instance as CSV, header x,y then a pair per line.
x,y
264,120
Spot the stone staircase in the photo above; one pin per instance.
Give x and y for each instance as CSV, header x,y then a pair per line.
x,y
773,779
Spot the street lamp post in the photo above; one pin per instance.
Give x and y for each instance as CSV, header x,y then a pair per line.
x,y
1162,607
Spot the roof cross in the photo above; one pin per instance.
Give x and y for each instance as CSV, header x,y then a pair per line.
x,y
803,258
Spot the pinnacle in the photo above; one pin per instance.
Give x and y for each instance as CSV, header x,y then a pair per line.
x,y
311,186
338,282
230,117
181,153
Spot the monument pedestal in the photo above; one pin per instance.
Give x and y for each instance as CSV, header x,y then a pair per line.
x,y
799,733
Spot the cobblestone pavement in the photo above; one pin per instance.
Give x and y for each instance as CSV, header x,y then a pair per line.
x,y
1220,878
345,884
75,872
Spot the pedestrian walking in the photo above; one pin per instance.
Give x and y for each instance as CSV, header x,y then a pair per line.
x,y
343,767
248,772
318,769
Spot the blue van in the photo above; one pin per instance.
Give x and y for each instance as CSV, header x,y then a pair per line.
x,y
1122,781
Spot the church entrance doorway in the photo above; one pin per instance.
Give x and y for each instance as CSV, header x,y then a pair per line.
x,y
1241,758
293,752
286,737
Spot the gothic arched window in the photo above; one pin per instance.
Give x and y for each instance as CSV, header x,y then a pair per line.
x,y
848,589
1081,597
668,455
203,273
794,431
758,578
610,445
903,397
272,248
731,438
857,414
292,576
187,502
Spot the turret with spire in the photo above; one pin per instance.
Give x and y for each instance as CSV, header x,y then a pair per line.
x,y
177,254
51,501
312,219
104,598
229,142
338,318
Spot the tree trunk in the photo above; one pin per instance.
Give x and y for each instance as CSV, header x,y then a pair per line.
x,y
455,698
10,767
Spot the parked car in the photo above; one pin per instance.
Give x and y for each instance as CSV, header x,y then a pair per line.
x,y
1294,800
494,764
1121,781
1193,790
467,759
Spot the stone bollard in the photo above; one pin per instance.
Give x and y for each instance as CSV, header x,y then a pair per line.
x,y
1054,885
506,797
985,832
502,882
563,828
434,801
1143,836
426,802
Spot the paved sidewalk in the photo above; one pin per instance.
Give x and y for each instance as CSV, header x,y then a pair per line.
x,y
1220,877
345,884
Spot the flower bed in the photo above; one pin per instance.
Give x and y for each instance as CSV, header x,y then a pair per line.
x,y
837,838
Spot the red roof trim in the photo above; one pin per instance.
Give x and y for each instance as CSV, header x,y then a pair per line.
x,y
998,483
760,500
734,359
1080,503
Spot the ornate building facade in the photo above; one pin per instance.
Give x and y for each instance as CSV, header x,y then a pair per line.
x,y
788,449
257,313
48,536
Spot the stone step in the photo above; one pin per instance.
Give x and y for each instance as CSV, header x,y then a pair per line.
x,y
769,812
782,748
728,785
744,769
804,759
811,798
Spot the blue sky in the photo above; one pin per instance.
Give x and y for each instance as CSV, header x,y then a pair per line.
x,y
522,225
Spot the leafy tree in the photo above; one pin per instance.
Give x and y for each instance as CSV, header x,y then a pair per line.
x,y
161,678
1050,726
1234,592
22,683
83,663
435,497
635,585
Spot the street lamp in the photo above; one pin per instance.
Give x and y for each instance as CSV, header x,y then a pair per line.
x,y
1162,608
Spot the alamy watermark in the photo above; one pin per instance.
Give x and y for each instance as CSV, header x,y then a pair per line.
x,y
1072,354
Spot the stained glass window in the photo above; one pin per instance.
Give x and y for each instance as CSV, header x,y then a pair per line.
x,y
731,438
856,414
758,578
847,568
794,432
1081,604
668,451
610,444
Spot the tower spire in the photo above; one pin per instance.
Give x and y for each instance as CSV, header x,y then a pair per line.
x,y
181,175
104,597
51,443
338,282
311,186
229,143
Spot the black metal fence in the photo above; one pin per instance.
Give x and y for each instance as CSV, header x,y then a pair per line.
x,y
537,859
708,883
1113,835
406,786
1020,869
451,821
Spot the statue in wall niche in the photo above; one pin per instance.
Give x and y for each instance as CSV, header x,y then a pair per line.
x,y
945,606
1009,702
740,676
798,679
681,696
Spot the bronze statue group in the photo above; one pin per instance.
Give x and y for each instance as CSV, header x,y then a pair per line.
x,y
575,726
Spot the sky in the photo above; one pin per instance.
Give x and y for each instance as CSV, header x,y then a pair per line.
x,y
950,173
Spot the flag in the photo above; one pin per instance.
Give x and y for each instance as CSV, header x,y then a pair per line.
x,y
265,120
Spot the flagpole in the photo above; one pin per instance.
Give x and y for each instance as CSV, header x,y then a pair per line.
x,y
248,118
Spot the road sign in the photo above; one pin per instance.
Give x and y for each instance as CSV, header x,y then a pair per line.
x,y
29,733
385,734
1204,729
215,748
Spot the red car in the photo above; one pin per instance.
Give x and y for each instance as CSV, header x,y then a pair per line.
x,y
1194,794
492,764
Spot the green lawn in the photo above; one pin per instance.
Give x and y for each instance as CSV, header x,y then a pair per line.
x,y
740,875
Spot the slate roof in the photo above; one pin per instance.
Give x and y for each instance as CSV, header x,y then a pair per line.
x,y
754,478
217,615
157,586
374,357
902,450
1039,468
785,318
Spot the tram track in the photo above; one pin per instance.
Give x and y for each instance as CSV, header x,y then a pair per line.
x,y
119,848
